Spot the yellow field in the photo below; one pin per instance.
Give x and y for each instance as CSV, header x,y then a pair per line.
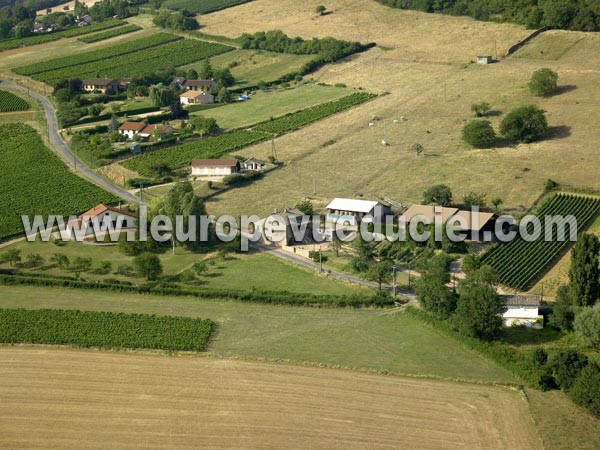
x,y
419,54
64,398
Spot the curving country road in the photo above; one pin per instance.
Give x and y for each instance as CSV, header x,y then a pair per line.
x,y
62,149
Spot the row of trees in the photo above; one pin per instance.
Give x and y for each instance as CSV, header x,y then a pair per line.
x,y
582,15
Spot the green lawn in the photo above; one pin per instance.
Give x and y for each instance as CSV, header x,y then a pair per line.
x,y
241,272
365,339
252,66
264,105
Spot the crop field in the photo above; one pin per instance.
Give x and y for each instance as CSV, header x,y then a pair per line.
x,y
142,401
10,102
38,181
417,55
103,329
251,66
519,262
110,34
7,44
238,139
202,6
127,59
264,105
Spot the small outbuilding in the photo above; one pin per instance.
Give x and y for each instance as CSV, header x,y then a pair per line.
x,y
254,164
215,167
485,60
522,310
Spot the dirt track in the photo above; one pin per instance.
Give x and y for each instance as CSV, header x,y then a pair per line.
x,y
65,398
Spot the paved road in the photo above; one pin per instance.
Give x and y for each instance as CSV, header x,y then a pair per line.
x,y
62,149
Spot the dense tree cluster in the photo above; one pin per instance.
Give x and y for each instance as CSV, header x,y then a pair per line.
x,y
582,15
180,21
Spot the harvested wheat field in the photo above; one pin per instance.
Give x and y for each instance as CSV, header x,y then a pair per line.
x,y
67,398
418,57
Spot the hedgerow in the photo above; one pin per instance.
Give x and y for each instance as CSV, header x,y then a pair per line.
x,y
10,102
103,329
35,181
8,44
109,34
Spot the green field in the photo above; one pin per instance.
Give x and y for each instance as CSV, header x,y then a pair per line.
x,y
251,66
264,105
550,45
519,262
364,339
8,44
10,102
268,273
110,34
34,181
103,329
202,6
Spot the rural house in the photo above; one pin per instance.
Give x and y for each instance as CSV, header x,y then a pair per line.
x,y
254,164
106,216
179,81
130,129
199,85
100,85
196,98
475,224
149,130
522,310
485,60
353,211
215,167
286,227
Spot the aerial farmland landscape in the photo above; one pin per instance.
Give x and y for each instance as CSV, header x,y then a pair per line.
x,y
272,224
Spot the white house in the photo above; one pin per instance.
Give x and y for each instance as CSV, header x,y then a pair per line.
x,y
352,211
199,85
522,310
130,129
196,98
107,217
254,164
215,167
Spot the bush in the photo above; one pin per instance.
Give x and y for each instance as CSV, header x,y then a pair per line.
x,y
525,124
480,109
479,134
587,326
439,194
566,367
586,389
544,82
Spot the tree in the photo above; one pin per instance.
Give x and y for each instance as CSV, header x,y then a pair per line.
x,y
105,266
432,291
587,326
473,199
82,264
205,125
479,309
439,194
364,255
191,74
544,82
471,263
586,389
306,207
224,96
206,71
379,273
524,124
224,77
113,124
320,9
176,109
563,312
262,85
584,273
34,260
496,202
62,261
12,256
148,265
336,243
417,148
566,366
161,95
200,267
480,109
479,134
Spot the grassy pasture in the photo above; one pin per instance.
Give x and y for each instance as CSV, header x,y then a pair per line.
x,y
242,272
252,66
264,105
364,339
134,400
551,45
417,63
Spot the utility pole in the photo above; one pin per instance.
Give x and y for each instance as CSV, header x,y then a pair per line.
x,y
409,263
394,268
273,151
320,259
495,50
314,185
